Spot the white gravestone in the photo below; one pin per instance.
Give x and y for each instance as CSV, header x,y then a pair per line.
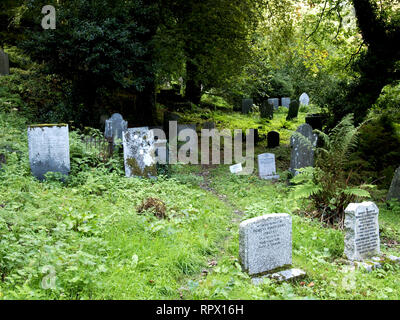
x,y
236,168
274,102
304,99
286,102
267,167
48,149
265,243
139,152
114,127
362,231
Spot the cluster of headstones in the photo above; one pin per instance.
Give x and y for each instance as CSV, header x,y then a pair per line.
x,y
4,63
267,107
265,243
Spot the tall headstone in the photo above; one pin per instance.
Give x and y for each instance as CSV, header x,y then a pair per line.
x,y
265,243
4,63
267,110
273,139
394,191
304,99
362,231
302,152
115,126
286,102
274,102
48,149
247,104
267,167
293,110
139,152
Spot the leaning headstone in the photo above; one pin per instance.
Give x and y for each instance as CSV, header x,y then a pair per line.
x,y
273,139
293,110
236,168
247,104
274,102
4,63
286,102
267,110
267,167
265,243
304,99
394,191
48,149
139,152
302,152
114,127
362,231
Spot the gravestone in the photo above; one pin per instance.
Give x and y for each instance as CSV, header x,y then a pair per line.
x,y
267,167
265,243
316,121
273,139
394,191
274,102
48,149
247,104
236,168
2,159
169,116
161,151
362,231
286,102
304,99
209,125
4,63
302,153
267,110
139,152
114,127
293,110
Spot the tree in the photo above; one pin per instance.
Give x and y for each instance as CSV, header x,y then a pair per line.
x,y
100,44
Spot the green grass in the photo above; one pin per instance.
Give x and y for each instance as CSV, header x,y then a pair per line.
x,y
89,231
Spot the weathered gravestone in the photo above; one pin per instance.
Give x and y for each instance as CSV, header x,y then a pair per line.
x,y
4,63
394,191
362,231
114,127
236,168
139,152
304,99
247,104
48,149
302,150
267,167
265,243
286,102
267,110
274,102
191,127
293,110
273,139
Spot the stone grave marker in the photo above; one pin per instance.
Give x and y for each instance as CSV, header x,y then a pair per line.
x,y
247,104
181,127
394,191
267,167
293,110
273,139
302,153
209,125
267,110
139,152
115,126
48,149
304,99
236,168
274,102
362,231
4,63
286,102
265,243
